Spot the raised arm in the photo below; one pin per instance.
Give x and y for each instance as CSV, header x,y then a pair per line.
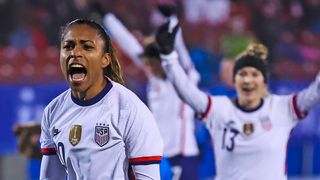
x,y
184,57
169,11
185,88
309,97
127,42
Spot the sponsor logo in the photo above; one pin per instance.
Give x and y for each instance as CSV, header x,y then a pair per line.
x,y
55,131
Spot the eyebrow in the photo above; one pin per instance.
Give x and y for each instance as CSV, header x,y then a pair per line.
x,y
85,41
81,41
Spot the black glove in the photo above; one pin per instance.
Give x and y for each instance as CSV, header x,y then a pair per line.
x,y
165,38
167,9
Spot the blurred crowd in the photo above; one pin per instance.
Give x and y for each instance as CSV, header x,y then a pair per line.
x,y
214,31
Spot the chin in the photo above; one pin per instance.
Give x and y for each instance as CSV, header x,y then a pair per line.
x,y
77,87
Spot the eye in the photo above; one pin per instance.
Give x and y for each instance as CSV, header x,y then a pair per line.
x,y
68,45
255,74
242,73
87,47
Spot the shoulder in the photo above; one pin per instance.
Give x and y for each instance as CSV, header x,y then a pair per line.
x,y
278,99
126,97
283,103
57,101
221,100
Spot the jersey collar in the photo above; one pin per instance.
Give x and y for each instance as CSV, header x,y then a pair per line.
x,y
248,110
95,99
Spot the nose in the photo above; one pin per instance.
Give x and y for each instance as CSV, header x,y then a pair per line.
x,y
76,51
247,79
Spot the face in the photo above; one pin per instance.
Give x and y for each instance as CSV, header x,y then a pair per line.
x,y
250,86
82,59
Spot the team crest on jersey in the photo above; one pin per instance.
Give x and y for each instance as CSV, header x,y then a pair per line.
x,y
75,134
101,135
248,128
266,123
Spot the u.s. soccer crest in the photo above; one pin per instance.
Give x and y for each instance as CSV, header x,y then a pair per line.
x,y
101,135
266,123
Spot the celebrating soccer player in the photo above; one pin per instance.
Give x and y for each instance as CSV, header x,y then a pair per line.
x,y
97,129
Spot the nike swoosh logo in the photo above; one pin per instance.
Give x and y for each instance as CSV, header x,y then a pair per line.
x,y
56,132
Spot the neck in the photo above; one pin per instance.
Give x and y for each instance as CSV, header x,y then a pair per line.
x,y
249,104
91,91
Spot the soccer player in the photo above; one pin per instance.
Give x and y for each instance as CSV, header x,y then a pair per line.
x,y
250,133
97,129
175,119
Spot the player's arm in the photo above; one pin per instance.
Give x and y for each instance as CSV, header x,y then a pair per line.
x,y
169,11
150,171
185,88
143,143
307,98
126,41
184,57
51,167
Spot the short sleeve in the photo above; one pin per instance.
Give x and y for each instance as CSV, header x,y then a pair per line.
x,y
47,144
217,106
142,138
203,116
286,110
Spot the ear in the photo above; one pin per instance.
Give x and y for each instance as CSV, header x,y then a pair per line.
x,y
106,60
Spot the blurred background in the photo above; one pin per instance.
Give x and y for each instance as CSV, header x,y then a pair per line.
x,y
215,31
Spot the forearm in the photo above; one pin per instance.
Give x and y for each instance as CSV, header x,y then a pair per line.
x,y
51,168
310,96
185,88
184,57
126,41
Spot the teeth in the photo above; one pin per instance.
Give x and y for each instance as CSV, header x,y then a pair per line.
x,y
76,66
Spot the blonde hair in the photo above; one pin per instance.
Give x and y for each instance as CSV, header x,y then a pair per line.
x,y
257,50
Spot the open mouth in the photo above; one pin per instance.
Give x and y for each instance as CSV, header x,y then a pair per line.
x,y
77,72
247,90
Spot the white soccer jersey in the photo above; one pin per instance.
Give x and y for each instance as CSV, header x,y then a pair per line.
x,y
174,118
251,145
102,137
248,145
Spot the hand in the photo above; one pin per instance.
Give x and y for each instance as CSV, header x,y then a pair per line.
x,y
167,9
165,37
